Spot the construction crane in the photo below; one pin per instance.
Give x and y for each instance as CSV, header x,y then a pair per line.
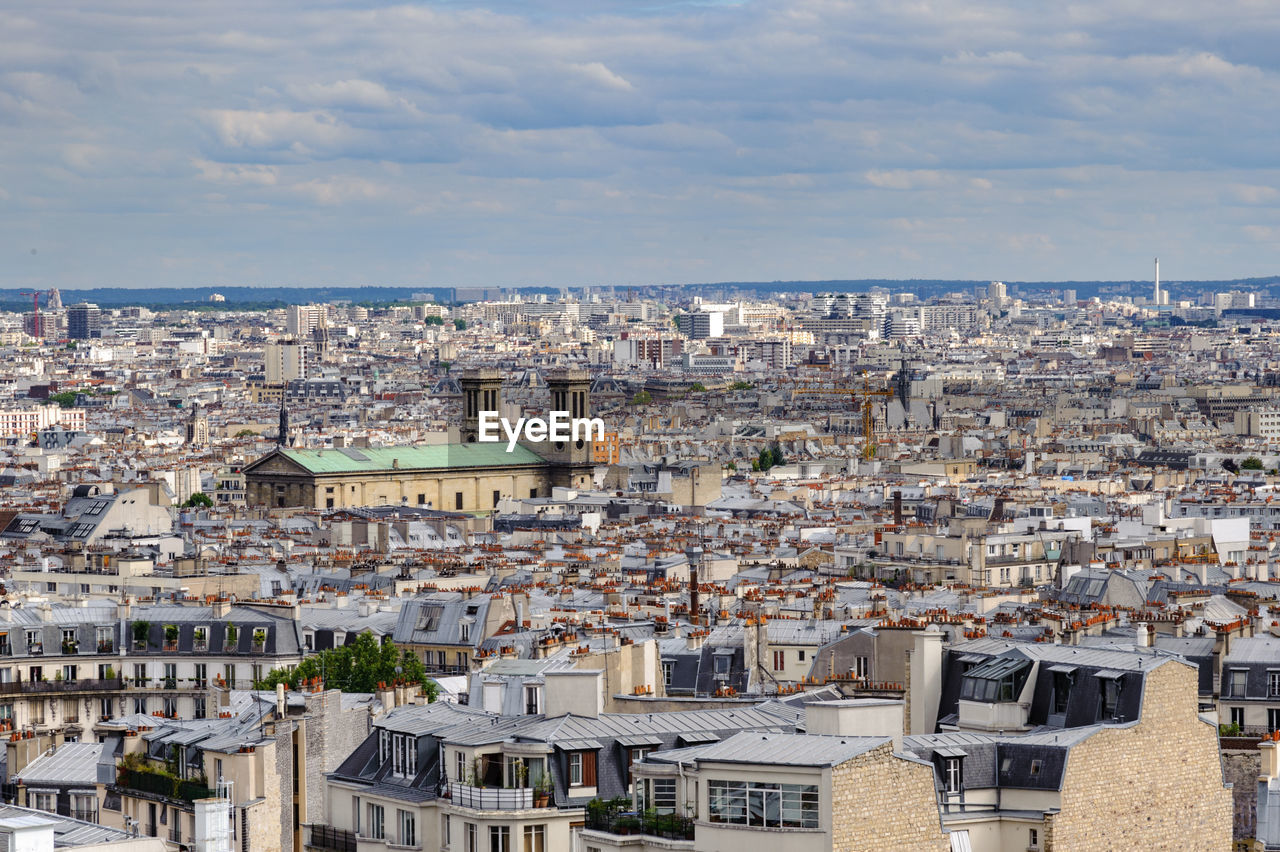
x,y
866,393
37,327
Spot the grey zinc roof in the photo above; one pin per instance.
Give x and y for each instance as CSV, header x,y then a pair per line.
x,y
67,832
71,764
778,749
1081,655
1254,649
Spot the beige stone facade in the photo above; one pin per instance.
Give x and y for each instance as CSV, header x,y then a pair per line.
x,y
1155,784
882,801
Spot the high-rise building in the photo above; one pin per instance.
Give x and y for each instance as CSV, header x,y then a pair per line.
x,y
301,320
84,321
997,293
284,361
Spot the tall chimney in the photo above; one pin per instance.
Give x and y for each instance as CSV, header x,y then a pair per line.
x,y
897,508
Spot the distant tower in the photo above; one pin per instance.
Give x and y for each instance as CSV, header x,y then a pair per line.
x,y
53,301
198,428
481,391
1157,293
283,438
571,463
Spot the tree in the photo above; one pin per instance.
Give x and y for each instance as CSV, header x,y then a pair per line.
x,y
741,385
65,399
460,324
697,387
245,433
434,320
198,499
358,667
765,461
1251,463
642,398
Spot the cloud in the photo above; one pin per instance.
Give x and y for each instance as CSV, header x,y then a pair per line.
x,y
601,142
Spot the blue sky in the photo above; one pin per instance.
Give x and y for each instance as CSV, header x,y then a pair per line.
x,y
615,142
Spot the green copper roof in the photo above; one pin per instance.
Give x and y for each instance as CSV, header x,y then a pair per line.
x,y
431,457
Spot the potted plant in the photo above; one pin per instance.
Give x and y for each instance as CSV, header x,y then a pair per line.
x,y
233,637
171,637
141,631
522,773
259,639
110,673
200,639
542,791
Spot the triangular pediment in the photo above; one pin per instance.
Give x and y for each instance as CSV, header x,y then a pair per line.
x,y
275,462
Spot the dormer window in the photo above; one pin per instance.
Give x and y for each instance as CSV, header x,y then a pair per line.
x,y
1108,695
997,680
951,776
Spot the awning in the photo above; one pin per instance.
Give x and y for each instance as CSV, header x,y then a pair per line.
x,y
1109,674
1062,669
639,740
950,751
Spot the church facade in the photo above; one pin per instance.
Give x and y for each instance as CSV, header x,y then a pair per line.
x,y
461,477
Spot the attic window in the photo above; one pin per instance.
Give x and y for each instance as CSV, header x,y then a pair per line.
x,y
1035,768
1001,679
429,618
95,509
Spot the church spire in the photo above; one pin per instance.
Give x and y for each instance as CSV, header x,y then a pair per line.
x,y
283,438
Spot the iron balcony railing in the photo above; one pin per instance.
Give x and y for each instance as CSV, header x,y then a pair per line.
x,y
491,798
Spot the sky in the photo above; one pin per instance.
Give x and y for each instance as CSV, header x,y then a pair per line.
x,y
558,142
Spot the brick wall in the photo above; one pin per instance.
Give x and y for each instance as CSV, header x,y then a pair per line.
x,y
879,801
1154,785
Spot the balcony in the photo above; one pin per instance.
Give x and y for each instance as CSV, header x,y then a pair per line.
x,y
175,834
70,648
491,798
81,685
332,839
106,646
667,826
83,814
134,781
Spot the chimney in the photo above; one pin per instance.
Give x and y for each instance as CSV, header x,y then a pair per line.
x,y
574,691
897,508
1144,636
280,701
925,686
693,640
222,607
1269,751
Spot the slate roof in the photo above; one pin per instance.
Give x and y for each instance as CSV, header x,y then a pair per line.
x,y
71,765
781,749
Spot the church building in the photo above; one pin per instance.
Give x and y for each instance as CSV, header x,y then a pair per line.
x,y
470,476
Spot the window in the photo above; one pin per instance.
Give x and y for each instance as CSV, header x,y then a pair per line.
x,y
499,838
473,837
457,501
459,766
42,801
202,675
375,829
404,755
779,660
800,655
1237,716
1033,838
1273,719
201,709
1035,768
1061,690
140,705
497,495
1273,684
575,768
70,673
861,667
446,829
951,778
582,768
1238,677
763,804
464,632
668,669
171,708
531,702
384,745
408,828
535,838
657,794
1109,698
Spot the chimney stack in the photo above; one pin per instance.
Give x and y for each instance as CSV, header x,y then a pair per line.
x,y
693,595
897,508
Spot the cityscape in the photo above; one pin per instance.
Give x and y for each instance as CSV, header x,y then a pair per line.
x,y
698,426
